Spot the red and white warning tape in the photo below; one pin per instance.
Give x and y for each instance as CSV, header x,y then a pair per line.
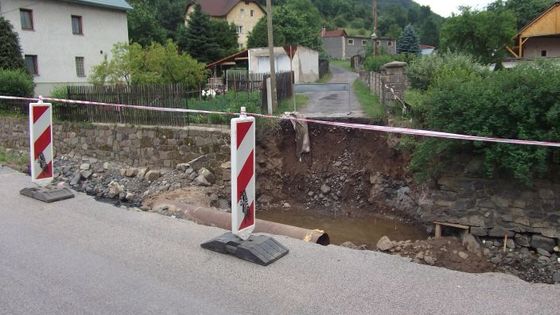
x,y
395,130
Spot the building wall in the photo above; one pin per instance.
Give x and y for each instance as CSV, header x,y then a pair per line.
x,y
389,46
305,63
55,45
357,48
334,47
535,46
240,15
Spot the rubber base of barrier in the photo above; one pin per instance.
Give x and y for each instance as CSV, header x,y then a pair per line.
x,y
47,195
258,249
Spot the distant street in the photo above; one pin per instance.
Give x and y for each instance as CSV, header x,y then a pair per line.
x,y
335,104
81,256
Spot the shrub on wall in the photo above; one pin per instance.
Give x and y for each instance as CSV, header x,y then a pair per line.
x,y
520,103
15,83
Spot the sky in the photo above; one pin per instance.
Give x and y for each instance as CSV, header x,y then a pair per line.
x,y
446,7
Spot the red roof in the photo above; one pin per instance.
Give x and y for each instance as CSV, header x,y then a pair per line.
x,y
335,33
218,8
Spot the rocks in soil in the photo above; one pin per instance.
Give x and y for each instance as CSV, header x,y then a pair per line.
x,y
86,174
85,166
556,277
199,162
131,172
209,176
205,178
325,189
463,255
182,167
385,244
543,252
76,178
542,242
152,175
471,244
115,189
522,240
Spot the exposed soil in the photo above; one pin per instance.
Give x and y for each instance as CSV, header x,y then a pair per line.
x,y
333,162
444,252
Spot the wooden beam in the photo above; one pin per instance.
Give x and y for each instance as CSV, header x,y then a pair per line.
x,y
512,52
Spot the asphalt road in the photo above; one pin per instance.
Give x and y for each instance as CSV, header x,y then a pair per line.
x,y
84,257
334,104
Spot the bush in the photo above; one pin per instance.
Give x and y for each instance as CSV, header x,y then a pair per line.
x,y
16,83
520,103
374,63
423,71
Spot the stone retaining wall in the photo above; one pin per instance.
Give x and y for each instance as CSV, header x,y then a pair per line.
x,y
133,146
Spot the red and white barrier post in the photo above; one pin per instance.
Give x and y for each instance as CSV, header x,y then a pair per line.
x,y
41,155
240,242
41,143
243,175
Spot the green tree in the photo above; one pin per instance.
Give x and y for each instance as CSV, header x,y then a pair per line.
x,y
10,50
225,35
143,26
524,10
207,40
155,64
482,34
258,37
408,42
297,22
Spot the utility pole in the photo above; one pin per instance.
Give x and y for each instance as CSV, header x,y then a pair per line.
x,y
374,36
271,54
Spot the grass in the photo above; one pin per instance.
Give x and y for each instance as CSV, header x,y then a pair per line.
x,y
370,102
326,78
342,63
13,159
287,105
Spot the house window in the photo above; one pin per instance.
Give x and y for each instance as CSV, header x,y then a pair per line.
x,y
80,71
239,29
252,12
31,64
390,44
350,42
26,17
77,25
543,53
242,11
364,42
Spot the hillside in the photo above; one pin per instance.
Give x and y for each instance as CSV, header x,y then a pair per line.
x,y
356,16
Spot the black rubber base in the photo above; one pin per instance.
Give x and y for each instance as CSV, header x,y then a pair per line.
x,y
258,249
47,195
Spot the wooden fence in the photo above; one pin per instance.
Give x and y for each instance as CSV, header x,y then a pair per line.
x,y
168,96
284,88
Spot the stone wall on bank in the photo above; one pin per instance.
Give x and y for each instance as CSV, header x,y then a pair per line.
x,y
494,207
130,145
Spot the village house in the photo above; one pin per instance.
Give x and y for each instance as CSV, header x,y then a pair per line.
x,y
244,14
339,45
540,38
62,40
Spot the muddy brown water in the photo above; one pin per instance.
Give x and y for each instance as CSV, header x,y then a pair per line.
x,y
363,230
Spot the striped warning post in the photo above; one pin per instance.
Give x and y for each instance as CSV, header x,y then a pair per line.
x,y
243,175
41,146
